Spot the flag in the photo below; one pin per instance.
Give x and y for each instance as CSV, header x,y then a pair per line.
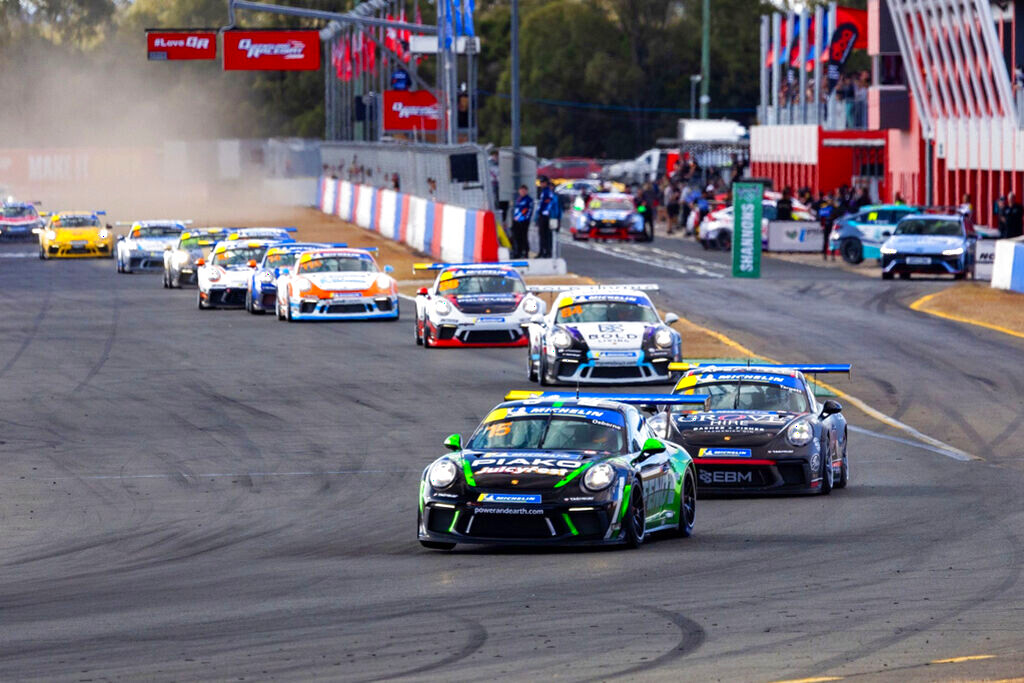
x,y
468,7
370,55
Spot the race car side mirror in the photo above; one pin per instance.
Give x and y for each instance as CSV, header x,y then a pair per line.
x,y
422,291
453,442
252,263
281,271
886,234
652,446
831,407
201,262
671,318
389,269
537,319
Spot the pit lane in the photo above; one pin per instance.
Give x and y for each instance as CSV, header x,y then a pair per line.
x,y
197,495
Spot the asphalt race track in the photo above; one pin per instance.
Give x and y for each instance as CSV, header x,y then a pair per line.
x,y
195,494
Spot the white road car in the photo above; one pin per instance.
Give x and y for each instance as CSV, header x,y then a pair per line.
x,y
337,284
609,334
475,304
144,246
224,280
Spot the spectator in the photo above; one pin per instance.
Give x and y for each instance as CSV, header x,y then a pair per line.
x,y
1014,216
900,200
522,212
826,209
784,207
1000,215
672,197
547,208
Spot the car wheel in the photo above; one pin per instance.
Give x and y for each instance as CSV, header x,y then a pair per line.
x,y
724,241
844,472
163,277
42,253
531,369
886,275
634,524
278,309
288,313
199,302
851,250
904,276
417,331
542,371
176,281
827,473
687,505
425,340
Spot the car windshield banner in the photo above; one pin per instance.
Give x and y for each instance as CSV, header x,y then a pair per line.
x,y
410,110
746,242
271,50
171,45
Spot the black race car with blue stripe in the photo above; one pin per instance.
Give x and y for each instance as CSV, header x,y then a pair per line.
x,y
762,430
550,469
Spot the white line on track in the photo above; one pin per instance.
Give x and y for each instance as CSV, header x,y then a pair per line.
x,y
654,256
954,453
19,254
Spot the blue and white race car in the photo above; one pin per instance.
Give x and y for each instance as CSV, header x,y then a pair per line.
x,y
475,304
607,215
223,281
610,334
262,295
144,246
261,233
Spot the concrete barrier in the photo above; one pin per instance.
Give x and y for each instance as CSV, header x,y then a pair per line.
x,y
446,232
1008,266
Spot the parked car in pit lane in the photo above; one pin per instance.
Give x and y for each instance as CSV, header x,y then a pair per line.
x,y
475,304
262,295
223,280
552,469
715,231
762,429
930,244
144,246
859,236
609,334
608,215
19,221
337,284
76,234
181,261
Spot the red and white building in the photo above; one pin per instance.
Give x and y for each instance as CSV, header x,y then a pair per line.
x,y
940,116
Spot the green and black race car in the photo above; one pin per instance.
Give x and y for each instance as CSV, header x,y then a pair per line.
x,y
551,469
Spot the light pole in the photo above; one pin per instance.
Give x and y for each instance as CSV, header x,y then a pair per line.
x,y
516,141
694,80
705,60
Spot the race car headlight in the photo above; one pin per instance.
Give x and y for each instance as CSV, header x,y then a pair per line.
x,y
442,473
104,234
442,306
383,281
181,258
887,250
266,277
799,433
599,477
663,339
531,306
51,235
302,284
561,339
953,252
214,274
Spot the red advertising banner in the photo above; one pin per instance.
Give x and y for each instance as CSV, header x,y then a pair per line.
x,y
271,50
411,110
161,45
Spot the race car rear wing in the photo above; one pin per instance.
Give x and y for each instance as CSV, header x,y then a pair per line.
x,y
163,221
492,264
593,288
629,399
807,368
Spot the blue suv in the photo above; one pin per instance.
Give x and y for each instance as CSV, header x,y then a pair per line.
x,y
931,244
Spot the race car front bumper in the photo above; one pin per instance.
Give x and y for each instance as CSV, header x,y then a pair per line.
x,y
224,297
933,264
17,232
145,260
605,231
347,308
735,476
611,367
482,331
78,249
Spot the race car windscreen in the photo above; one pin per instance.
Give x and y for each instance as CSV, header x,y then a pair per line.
x,y
750,395
278,260
77,222
928,226
156,231
611,204
606,311
336,264
203,242
19,212
549,432
481,284
239,257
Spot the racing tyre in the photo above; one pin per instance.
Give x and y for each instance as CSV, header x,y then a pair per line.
x,y
886,276
634,523
42,253
199,302
437,545
288,313
723,242
531,372
277,310
416,333
844,473
687,506
425,340
167,285
542,371
851,250
827,474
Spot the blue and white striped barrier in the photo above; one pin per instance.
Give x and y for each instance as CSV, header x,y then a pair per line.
x,y
1008,267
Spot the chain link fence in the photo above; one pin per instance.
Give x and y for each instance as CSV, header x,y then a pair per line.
x,y
456,175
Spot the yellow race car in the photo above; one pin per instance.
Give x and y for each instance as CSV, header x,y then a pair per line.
x,y
76,234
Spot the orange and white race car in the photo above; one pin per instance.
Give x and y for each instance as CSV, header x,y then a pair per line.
x,y
336,284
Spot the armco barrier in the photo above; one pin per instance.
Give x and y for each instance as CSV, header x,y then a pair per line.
x,y
448,233
1008,267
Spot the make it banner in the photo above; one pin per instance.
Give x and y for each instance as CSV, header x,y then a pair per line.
x,y
184,44
271,50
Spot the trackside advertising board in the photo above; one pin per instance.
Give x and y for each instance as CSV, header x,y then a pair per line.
x,y
184,44
746,233
271,50
410,110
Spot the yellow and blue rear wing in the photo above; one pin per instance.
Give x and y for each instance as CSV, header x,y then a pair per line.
x,y
492,264
629,399
806,368
645,287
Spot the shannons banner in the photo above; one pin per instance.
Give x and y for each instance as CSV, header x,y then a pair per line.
x,y
746,234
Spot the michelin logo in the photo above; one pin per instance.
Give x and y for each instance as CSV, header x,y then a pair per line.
x,y
525,499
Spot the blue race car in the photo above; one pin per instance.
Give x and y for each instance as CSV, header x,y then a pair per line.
x,y
608,215
263,285
858,236
19,221
931,244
